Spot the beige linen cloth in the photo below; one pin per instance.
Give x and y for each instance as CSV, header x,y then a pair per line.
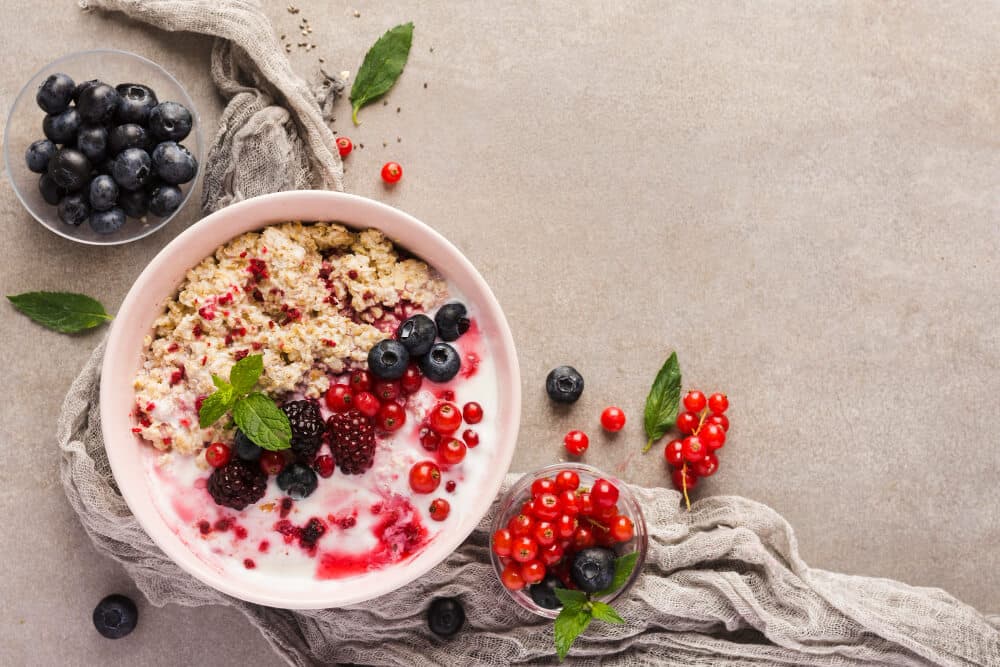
x,y
723,584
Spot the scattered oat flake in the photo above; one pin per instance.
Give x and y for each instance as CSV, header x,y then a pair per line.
x,y
345,74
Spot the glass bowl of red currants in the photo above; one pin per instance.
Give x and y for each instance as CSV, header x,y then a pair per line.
x,y
103,147
563,522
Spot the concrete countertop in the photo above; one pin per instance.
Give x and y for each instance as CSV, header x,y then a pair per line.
x,y
802,199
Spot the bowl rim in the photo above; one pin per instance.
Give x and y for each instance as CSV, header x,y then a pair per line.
x,y
241,216
8,150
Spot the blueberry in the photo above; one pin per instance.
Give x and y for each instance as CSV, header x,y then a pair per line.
x,y
97,103
38,155
388,359
115,616
107,222
73,209
55,93
451,321
61,128
173,163
70,169
51,192
593,569
441,364
564,384
125,136
103,193
297,480
417,334
92,141
445,616
544,592
169,121
135,101
82,86
165,199
132,168
135,204
245,448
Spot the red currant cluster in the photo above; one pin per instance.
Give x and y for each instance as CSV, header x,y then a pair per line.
x,y
704,423
558,520
391,171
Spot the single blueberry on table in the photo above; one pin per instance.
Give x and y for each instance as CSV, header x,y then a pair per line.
x,y
452,321
441,364
173,163
107,222
129,135
115,616
445,616
388,359
61,128
38,155
135,101
417,334
135,204
297,480
70,169
55,93
92,141
51,192
103,193
132,168
564,384
73,209
169,121
165,199
544,592
97,103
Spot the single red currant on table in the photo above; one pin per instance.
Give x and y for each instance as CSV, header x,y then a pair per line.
x,y
718,403
613,419
576,442
344,146
695,401
472,412
439,509
445,418
218,454
425,477
339,398
392,172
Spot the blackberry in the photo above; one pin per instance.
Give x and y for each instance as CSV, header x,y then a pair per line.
x,y
352,441
237,484
307,427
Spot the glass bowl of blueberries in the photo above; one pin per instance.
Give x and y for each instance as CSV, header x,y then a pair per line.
x,y
103,147
567,526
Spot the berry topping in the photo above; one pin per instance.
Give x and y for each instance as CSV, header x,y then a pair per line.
x,y
452,452
425,477
445,616
472,412
441,364
388,359
387,390
439,509
613,419
593,569
324,466
217,454
272,463
564,384
391,417
366,403
417,334
352,441
470,437
412,379
361,380
115,616
307,427
298,481
246,449
237,484
452,321
445,418
339,398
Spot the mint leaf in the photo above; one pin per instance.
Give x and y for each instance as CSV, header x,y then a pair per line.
x,y
662,401
215,405
568,597
605,612
219,382
263,422
569,624
382,66
245,373
623,568
65,312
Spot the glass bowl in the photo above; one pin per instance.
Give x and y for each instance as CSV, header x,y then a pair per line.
x,y
510,506
24,125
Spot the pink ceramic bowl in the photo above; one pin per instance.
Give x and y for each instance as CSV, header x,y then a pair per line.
x,y
159,281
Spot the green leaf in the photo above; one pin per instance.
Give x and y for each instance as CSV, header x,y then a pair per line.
x,y
662,401
219,382
382,66
623,568
215,405
246,372
605,612
263,422
571,598
65,312
569,624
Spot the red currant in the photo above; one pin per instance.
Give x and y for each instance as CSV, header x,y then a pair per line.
x,y
604,493
392,172
622,529
603,537
545,533
387,390
718,403
552,555
569,503
566,525
324,466
533,571
707,466
412,380
366,403
543,485
450,486
585,503
576,442
583,538
429,439
605,514
472,412
524,549
391,417
693,449
713,436
547,506
439,509
511,577
613,419
218,454
339,398
452,451
567,480
272,462
687,422
674,452
694,401
425,477
681,474
445,418
470,437
344,146
361,380
502,540
521,524
721,420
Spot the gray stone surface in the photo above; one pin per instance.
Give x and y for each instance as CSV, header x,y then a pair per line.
x,y
800,198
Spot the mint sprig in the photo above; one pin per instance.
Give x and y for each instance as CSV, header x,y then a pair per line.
x,y
65,312
580,608
255,413
663,401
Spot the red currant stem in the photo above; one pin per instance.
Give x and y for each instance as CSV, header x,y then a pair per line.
x,y
597,524
684,485
701,422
